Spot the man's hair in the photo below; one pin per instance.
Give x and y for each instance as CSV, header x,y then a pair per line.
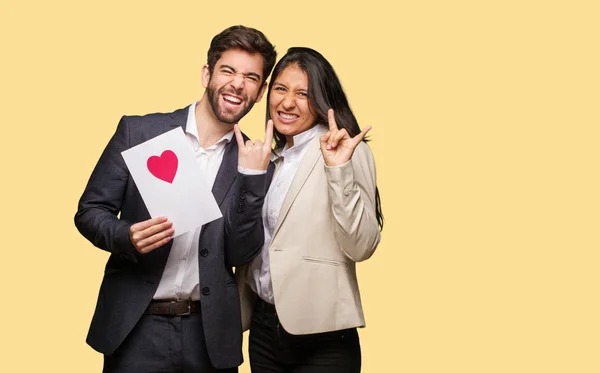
x,y
247,39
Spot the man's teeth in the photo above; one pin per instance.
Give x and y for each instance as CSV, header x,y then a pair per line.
x,y
288,116
232,99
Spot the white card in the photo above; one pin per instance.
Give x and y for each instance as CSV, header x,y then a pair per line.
x,y
168,177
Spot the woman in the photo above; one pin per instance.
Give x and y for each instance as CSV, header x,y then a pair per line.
x,y
321,216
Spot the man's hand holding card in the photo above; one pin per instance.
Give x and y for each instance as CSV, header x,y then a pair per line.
x,y
176,195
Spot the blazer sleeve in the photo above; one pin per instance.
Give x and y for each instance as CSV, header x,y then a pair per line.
x,y
244,234
96,217
351,189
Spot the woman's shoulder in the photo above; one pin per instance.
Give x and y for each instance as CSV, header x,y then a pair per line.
x,y
363,150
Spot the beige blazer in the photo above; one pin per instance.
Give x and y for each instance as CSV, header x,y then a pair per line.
x,y
327,223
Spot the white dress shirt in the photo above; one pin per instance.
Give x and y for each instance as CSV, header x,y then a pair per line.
x,y
181,277
259,274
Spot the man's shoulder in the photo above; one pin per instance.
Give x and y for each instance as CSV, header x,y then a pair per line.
x,y
139,127
157,117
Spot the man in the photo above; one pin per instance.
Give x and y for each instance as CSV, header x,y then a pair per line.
x,y
172,304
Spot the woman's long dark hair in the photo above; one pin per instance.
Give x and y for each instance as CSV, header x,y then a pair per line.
x,y
324,92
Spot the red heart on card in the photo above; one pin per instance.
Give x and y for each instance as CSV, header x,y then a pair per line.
x,y
163,167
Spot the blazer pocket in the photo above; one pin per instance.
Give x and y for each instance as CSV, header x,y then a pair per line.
x,y
334,263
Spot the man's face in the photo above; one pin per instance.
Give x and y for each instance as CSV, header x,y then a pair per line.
x,y
235,85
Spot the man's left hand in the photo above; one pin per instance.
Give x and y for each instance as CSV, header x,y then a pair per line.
x,y
254,155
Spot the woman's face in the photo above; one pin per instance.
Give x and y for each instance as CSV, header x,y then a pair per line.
x,y
289,105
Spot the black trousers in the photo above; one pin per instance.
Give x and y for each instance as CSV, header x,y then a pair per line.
x,y
163,344
272,349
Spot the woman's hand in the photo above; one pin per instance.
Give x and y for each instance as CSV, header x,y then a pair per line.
x,y
337,146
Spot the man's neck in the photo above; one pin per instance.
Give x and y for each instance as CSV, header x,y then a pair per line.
x,y
210,129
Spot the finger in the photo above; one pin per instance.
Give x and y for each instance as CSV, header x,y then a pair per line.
x,y
151,240
269,133
323,141
157,228
156,245
238,136
139,236
331,120
360,137
249,143
155,238
146,224
258,143
333,133
341,134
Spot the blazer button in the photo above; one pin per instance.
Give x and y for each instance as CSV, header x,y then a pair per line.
x,y
204,253
347,191
205,291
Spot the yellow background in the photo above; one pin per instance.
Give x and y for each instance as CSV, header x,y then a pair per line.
x,y
485,123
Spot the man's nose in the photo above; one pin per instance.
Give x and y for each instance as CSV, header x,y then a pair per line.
x,y
237,82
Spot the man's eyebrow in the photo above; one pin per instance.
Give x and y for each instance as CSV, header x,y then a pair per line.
x,y
227,67
254,74
235,71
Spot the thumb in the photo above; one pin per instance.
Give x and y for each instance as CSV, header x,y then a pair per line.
x,y
360,137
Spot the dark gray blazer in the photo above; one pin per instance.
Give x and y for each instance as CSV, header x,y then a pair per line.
x,y
131,279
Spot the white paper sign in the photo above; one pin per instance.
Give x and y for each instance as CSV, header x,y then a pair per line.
x,y
167,175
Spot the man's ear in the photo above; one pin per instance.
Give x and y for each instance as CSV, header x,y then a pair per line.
x,y
262,91
205,75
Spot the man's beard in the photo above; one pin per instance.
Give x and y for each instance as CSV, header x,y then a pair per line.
x,y
223,114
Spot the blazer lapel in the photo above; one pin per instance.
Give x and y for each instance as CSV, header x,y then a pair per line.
x,y
228,169
312,155
178,119
227,172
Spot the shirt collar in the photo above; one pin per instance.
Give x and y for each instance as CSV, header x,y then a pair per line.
x,y
191,129
301,140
